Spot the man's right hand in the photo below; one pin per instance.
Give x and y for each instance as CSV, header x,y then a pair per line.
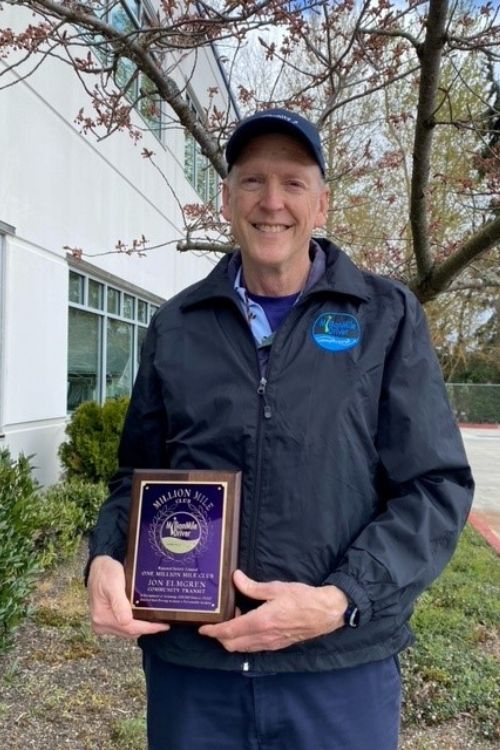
x,y
110,609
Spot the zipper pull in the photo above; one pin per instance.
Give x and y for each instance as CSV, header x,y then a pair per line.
x,y
261,390
245,667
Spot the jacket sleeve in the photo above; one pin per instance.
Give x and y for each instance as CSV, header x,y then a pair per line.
x,y
426,482
142,445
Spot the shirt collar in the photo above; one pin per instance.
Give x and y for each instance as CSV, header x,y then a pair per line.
x,y
341,276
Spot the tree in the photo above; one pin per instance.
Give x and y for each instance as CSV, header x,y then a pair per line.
x,y
382,80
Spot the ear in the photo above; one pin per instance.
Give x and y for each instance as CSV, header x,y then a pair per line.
x,y
324,203
226,209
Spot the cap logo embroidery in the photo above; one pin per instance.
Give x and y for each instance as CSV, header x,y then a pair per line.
x,y
336,332
284,117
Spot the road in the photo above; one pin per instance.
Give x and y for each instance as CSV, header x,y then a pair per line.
x,y
482,445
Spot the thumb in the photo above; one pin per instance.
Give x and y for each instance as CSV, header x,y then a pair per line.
x,y
122,611
254,589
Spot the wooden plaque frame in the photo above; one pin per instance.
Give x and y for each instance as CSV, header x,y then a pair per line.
x,y
183,532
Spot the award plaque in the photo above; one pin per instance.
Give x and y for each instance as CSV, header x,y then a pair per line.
x,y
182,545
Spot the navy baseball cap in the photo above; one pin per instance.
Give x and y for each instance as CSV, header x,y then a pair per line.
x,y
275,121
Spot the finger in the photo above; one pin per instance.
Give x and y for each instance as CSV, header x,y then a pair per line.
x,y
134,629
141,627
244,643
242,626
255,642
256,589
218,630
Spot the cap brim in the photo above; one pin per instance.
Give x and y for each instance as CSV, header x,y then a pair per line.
x,y
252,129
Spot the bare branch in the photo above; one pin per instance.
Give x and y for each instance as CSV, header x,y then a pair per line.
x,y
395,33
187,245
476,286
431,53
442,276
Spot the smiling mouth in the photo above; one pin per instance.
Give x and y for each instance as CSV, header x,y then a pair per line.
x,y
271,228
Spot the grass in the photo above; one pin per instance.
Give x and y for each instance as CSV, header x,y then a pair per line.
x,y
129,734
454,668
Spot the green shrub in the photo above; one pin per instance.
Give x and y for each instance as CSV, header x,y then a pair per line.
x,y
88,496
94,433
37,529
64,512
57,527
18,562
475,402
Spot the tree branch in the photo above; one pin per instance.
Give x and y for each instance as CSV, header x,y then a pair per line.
x,y
184,246
431,54
393,33
441,277
166,87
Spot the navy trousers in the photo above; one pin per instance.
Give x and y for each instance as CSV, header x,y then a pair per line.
x,y
202,709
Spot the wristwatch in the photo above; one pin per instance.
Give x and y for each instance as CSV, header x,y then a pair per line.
x,y
351,615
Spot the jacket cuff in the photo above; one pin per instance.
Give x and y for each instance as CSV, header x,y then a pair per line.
x,y
354,592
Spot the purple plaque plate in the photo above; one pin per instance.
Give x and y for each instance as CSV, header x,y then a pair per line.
x,y
182,545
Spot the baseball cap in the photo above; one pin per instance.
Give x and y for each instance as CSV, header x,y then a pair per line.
x,y
275,121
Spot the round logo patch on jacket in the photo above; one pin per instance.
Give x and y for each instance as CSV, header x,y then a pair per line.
x,y
336,332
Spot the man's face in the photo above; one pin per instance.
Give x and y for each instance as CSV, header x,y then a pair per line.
x,y
274,197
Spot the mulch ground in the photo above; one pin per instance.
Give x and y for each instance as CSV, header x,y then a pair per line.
x,y
62,687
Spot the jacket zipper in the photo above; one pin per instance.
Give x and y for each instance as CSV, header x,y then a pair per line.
x,y
266,412
261,390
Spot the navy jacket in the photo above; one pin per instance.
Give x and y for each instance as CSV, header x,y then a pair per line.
x,y
354,472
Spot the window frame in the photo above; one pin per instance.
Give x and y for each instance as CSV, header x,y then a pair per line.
x,y
200,162
102,314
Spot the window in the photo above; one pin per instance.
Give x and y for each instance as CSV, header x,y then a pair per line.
x,y
119,358
113,301
126,16
107,327
150,105
76,288
128,306
96,294
198,170
84,350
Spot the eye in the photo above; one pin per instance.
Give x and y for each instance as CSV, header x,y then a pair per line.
x,y
296,185
250,182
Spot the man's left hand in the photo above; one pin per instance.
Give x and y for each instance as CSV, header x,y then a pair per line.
x,y
290,613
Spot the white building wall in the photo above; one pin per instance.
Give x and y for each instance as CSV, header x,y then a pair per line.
x,y
36,283
57,188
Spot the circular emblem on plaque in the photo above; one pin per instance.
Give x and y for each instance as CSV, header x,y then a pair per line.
x,y
336,332
180,533
179,530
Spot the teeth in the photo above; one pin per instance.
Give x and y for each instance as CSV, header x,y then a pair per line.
x,y
271,227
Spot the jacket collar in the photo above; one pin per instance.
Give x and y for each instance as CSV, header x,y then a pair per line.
x,y
219,284
342,276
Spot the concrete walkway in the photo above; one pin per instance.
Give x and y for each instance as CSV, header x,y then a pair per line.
x,y
482,445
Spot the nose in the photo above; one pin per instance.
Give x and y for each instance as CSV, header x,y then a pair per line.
x,y
271,197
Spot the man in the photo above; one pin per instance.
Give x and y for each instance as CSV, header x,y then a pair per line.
x,y
319,383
